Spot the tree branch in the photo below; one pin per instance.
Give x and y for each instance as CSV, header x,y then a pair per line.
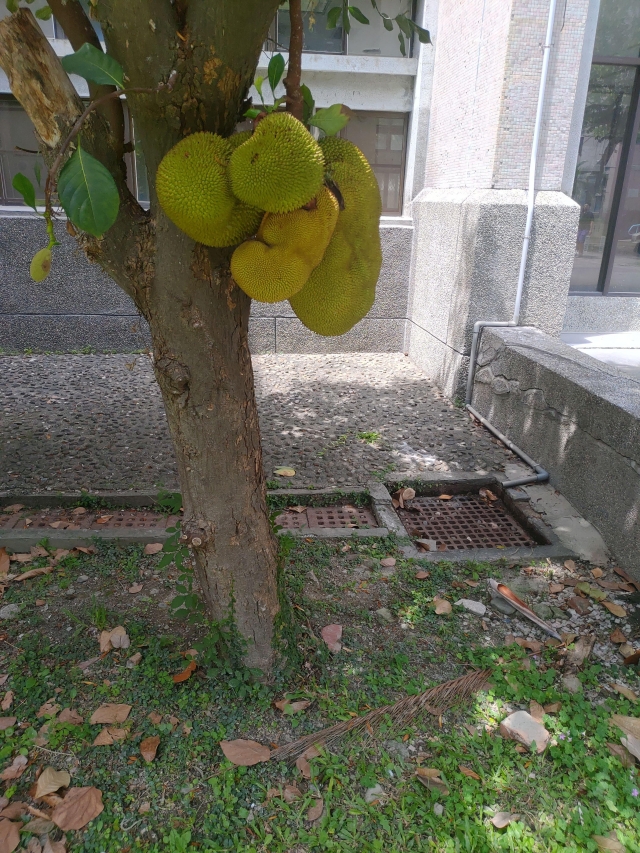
x,y
79,30
295,101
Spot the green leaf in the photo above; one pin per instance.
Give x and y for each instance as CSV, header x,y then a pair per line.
x,y
388,24
12,5
252,112
258,84
333,16
346,23
37,171
309,103
44,13
94,65
23,185
403,48
424,36
357,14
88,193
275,70
404,24
331,119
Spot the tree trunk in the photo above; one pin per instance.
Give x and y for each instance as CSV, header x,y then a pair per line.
x,y
198,319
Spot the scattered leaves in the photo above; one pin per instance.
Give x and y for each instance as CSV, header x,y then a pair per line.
x,y
7,723
285,472
442,606
155,718
291,793
332,634
4,561
153,548
79,807
502,819
555,588
622,754
120,638
110,713
137,587
421,576
608,843
617,636
536,711
616,609
15,769
9,835
149,747
51,780
315,812
245,753
304,767
624,690
445,497
570,565
48,709
187,672
629,725
430,778
388,562
467,771
7,701
289,707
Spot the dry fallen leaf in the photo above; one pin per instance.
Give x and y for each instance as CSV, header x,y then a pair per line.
x,y
79,807
284,472
110,713
467,771
616,609
187,672
137,587
4,561
632,659
153,548
68,715
316,809
629,725
105,642
144,808
421,576
289,707
555,587
9,835
21,558
570,565
624,690
622,754
14,508
291,793
632,744
14,810
7,723
553,707
597,572
443,607
48,709
245,753
118,734
51,780
149,747
304,767
103,519
15,769
7,700
119,638
536,711
332,634
502,819
54,846
103,738
430,778
155,718
617,636
445,497
609,843
388,562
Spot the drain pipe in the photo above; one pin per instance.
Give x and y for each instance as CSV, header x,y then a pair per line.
x,y
541,475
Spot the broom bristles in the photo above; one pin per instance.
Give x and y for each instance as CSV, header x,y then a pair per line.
x,y
436,701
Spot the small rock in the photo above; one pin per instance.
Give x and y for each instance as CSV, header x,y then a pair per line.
x,y
543,610
9,611
383,613
572,683
580,605
438,809
70,593
522,727
397,748
502,606
476,607
134,660
82,578
523,585
626,649
372,794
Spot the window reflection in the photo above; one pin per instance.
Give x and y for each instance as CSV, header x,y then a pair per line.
x,y
382,139
625,273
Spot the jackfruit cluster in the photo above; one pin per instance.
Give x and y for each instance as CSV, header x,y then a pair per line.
x,y
306,216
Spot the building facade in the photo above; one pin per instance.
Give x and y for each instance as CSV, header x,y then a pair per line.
x,y
448,130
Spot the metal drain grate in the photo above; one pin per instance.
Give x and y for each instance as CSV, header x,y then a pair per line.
x,y
465,521
334,517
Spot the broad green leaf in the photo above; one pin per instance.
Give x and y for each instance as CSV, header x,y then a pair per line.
x,y
405,25
333,16
357,14
403,48
388,24
331,119
94,65
88,193
252,112
44,13
275,70
23,185
37,171
423,35
346,23
258,84
12,5
309,103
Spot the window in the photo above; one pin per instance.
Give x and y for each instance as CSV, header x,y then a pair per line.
x,y
607,182
370,39
382,138
18,152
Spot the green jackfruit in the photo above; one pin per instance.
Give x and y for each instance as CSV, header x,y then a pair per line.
x,y
280,168
193,188
288,246
342,288
40,265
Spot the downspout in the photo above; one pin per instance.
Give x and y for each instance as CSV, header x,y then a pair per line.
x,y
541,475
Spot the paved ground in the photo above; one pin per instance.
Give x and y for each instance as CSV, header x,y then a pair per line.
x,y
96,422
621,349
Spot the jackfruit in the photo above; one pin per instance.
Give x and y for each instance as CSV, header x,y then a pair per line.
x,y
277,264
40,265
194,190
280,168
342,288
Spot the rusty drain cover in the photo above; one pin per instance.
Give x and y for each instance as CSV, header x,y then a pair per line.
x,y
334,517
465,521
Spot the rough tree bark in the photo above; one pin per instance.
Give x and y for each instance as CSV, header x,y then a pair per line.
x,y
197,315
295,102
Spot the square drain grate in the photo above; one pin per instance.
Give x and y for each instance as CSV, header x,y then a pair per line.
x,y
334,517
465,521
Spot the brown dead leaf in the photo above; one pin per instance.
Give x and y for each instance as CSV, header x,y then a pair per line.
x,y
632,744
105,642
137,587
104,519
119,638
624,690
467,771
443,607
534,646
536,711
608,843
315,812
597,572
627,577
153,548
9,835
304,767
13,508
21,558
472,584
570,565
629,725
421,576
502,819
34,573
445,497
553,707
617,636
103,738
288,707
632,659
427,544
54,846
48,709
50,781
245,753
149,747
79,807
311,752
83,550
4,562
430,778
155,718
40,602
187,672
68,715
291,793
616,609
118,734
581,651
7,723
332,634
14,810
555,588
388,562
488,494
110,713
622,754
144,808
7,700
15,769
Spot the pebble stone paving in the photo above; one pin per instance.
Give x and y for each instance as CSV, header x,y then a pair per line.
x,y
96,422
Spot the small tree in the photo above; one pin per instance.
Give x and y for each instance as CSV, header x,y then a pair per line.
x,y
188,67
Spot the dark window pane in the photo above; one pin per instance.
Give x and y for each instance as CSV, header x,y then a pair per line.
x,y
625,274
317,38
605,119
618,32
16,133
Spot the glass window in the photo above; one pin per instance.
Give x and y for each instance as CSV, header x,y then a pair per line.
x,y
317,38
625,271
373,39
382,139
18,152
618,32
606,116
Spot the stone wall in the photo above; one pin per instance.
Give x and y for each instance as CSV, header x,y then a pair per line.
x,y
577,417
78,306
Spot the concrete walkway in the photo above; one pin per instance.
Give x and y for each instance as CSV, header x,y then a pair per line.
x,y
621,349
96,422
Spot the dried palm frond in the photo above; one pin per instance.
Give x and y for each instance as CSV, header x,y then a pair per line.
x,y
436,701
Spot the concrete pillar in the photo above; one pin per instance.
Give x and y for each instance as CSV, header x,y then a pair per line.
x,y
469,218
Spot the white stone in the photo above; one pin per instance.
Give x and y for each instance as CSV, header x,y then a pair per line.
x,y
9,611
522,727
476,607
372,794
385,613
438,809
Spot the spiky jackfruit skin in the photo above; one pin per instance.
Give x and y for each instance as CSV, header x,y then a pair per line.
x,y
341,289
277,264
280,168
193,188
